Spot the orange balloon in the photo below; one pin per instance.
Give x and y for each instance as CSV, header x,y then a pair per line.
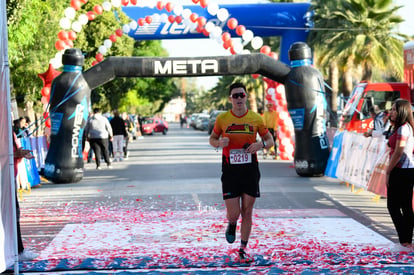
x,y
72,35
119,32
240,30
141,22
169,7
98,9
193,17
225,36
134,2
148,19
232,23
69,43
232,51
265,49
91,15
178,19
160,5
60,45
203,3
201,21
63,35
112,37
76,4
171,18
125,2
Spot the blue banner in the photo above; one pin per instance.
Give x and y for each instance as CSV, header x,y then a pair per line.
x,y
334,156
288,20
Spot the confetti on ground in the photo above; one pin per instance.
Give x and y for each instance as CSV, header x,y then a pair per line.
x,y
95,236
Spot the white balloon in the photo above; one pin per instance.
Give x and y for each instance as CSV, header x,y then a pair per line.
x,y
247,35
212,8
116,3
106,6
59,55
178,9
65,23
108,43
164,18
70,13
257,42
126,28
245,51
83,19
271,91
223,14
156,17
102,49
186,13
238,48
209,27
133,25
217,31
77,26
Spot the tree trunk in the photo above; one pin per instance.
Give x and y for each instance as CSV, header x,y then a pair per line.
x,y
348,83
367,76
333,102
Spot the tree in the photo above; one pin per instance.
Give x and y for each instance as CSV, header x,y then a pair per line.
x,y
357,34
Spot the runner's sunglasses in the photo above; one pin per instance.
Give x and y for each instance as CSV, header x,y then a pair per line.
x,y
237,95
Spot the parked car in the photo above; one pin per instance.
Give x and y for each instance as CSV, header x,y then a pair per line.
x,y
212,120
202,122
154,125
193,119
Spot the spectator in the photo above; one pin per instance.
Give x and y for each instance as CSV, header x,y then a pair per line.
x,y
99,132
120,134
379,123
129,127
271,121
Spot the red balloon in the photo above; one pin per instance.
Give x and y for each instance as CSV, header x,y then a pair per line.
x,y
178,19
206,33
60,45
98,9
113,37
133,2
94,62
265,49
141,22
84,1
148,19
72,35
169,7
201,21
268,97
232,50
255,76
171,18
204,3
225,36
240,30
195,1
274,55
193,17
160,5
226,45
48,76
125,2
76,4
99,57
45,91
91,15
63,35
119,32
47,119
69,43
232,23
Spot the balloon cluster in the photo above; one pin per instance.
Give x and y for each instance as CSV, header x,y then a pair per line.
x,y
275,94
47,78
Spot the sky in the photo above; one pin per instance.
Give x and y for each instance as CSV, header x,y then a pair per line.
x,y
208,47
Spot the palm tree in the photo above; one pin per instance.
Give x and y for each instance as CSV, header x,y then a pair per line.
x,y
358,34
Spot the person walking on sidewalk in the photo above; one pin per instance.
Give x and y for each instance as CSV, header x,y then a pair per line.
x,y
235,132
120,133
99,131
271,121
401,173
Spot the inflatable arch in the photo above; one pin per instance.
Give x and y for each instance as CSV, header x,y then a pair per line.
x,y
70,98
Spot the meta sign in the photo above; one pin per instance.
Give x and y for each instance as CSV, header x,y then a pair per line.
x,y
291,21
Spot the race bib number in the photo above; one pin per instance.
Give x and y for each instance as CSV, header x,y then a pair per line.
x,y
239,156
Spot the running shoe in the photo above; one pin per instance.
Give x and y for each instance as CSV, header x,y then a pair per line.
x,y
231,233
244,257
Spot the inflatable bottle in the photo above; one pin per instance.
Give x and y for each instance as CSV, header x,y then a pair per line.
x,y
69,110
307,105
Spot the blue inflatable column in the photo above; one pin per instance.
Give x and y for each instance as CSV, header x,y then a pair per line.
x,y
69,110
306,104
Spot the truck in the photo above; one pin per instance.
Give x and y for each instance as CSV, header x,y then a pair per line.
x,y
356,117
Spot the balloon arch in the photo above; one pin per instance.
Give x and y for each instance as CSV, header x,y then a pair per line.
x,y
72,24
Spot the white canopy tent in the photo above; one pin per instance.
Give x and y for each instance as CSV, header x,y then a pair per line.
x,y
8,230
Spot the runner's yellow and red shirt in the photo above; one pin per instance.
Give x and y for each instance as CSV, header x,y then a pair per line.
x,y
240,130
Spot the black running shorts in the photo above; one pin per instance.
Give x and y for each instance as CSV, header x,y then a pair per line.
x,y
240,178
